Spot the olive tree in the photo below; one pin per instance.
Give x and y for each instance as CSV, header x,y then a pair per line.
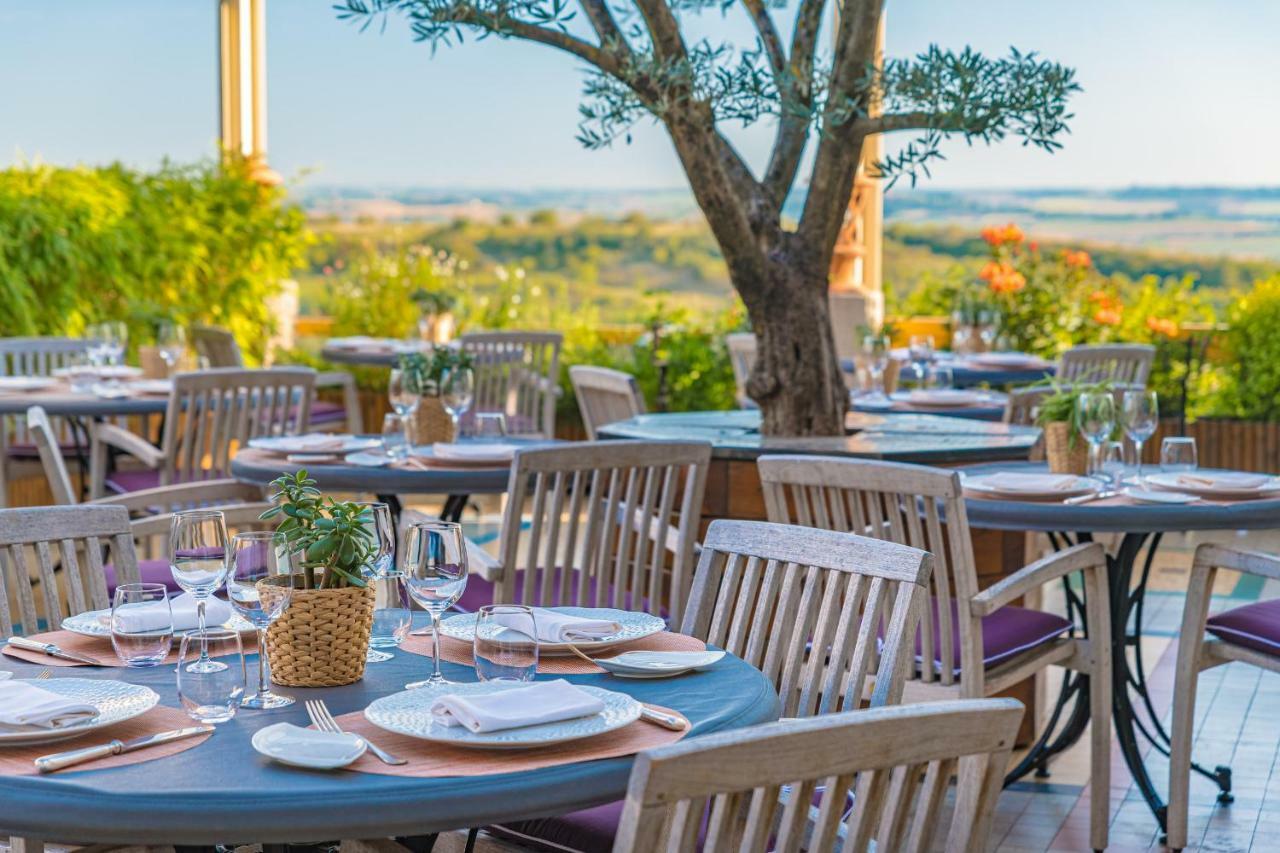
x,y
820,90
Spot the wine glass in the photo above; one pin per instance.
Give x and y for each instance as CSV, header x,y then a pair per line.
x,y
1096,420
171,343
394,444
198,560
260,557
404,393
1140,414
382,533
921,350
435,573
457,392
875,352
940,378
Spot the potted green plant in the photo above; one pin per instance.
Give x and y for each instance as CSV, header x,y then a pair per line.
x,y
435,314
1066,449
430,375
323,635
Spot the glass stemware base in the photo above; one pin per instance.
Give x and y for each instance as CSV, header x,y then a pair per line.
x,y
433,681
266,701
206,666
375,656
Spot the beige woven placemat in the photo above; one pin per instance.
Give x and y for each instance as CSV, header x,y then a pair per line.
x,y
99,648
428,759
458,651
17,760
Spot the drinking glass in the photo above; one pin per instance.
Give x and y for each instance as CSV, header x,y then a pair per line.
x,y
382,533
198,560
112,338
1178,455
394,442
939,377
1112,465
258,557
875,352
141,624
1096,420
491,426
392,615
506,643
435,573
171,343
920,347
1139,413
457,392
211,696
404,394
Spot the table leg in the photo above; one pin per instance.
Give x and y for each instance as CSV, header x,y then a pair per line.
x,y
394,507
454,506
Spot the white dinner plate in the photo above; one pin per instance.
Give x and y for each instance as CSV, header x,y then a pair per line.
x,y
116,702
97,623
1222,486
106,371
313,443
658,664
409,713
1155,496
635,626
1003,491
27,383
1007,359
368,459
158,387
314,750
941,397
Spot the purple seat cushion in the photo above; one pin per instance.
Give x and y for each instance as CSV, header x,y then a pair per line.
x,y
479,592
588,831
1255,626
149,571
1008,632
327,412
28,450
123,482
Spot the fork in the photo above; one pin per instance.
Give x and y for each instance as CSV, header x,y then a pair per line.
x,y
324,721
44,673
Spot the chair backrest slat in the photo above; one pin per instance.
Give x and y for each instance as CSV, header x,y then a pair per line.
x,y
759,784
516,373
216,346
1128,364
605,396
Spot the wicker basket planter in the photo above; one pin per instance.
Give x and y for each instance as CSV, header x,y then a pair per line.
x,y
321,638
433,422
1063,457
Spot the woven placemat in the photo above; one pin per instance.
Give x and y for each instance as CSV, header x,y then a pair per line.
x,y
98,648
458,651
428,759
17,760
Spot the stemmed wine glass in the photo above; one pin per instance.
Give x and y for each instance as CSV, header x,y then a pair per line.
x,y
171,343
404,393
435,573
456,393
1096,419
258,557
383,567
198,560
1140,414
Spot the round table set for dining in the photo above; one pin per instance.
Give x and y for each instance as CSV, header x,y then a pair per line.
x,y
86,391
991,369
370,351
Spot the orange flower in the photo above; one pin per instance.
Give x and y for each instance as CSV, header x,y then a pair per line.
x,y
1107,316
1163,326
1100,297
998,235
1002,277
1077,260
989,271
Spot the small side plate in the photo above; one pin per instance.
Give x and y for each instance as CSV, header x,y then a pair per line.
x,y
1151,496
314,750
658,664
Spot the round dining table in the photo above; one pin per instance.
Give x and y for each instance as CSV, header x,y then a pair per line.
x,y
222,791
986,406
377,353
1141,527
968,373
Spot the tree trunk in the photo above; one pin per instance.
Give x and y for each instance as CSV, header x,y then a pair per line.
x,y
796,379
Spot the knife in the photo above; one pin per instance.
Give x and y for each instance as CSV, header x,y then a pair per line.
x,y
52,651
1084,499
661,718
59,760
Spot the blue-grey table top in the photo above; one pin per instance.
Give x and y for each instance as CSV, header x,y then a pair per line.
x,y
223,791
65,403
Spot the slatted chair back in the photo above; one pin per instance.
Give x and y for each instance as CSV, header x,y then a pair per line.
x,y
605,396
216,346
55,468
756,786
213,413
908,504
610,524
35,357
775,594
66,577
1022,403
1128,364
517,374
742,357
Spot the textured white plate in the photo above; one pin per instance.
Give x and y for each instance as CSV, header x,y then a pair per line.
x,y
1222,488
942,397
979,486
97,623
1006,359
1151,496
152,386
116,371
634,627
374,459
409,713
299,747
27,383
115,701
658,664
298,444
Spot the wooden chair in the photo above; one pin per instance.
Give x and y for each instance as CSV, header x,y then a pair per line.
x,y
759,788
211,414
612,524
605,396
517,374
974,643
1129,364
742,356
217,347
1249,634
68,576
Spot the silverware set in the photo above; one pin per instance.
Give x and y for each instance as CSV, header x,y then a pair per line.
x,y
323,720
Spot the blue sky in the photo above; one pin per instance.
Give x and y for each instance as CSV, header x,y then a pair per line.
x,y
1177,92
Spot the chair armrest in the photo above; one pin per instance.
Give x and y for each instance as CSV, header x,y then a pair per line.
x,y
131,443
482,562
1089,555
334,379
205,492
241,515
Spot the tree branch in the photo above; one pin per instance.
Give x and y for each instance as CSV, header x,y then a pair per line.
x,y
795,92
769,37
664,29
504,25
602,21
916,120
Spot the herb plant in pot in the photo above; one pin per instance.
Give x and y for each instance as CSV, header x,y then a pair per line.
x,y
323,635
431,375
1065,446
435,320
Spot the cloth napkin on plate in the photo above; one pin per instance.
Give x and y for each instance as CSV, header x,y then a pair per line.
x,y
151,616
24,704
1224,480
471,451
544,702
318,442
1012,481
556,627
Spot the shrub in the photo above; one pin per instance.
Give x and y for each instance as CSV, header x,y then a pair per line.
x,y
1249,384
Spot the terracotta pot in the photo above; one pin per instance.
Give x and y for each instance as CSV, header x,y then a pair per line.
x,y
1064,456
321,638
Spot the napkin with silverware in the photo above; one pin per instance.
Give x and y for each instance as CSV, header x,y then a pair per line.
x,y
24,704
153,615
544,702
554,626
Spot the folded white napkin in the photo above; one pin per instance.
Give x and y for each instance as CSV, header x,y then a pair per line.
x,y
152,616
1224,480
24,704
546,702
317,442
553,626
474,450
1010,481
